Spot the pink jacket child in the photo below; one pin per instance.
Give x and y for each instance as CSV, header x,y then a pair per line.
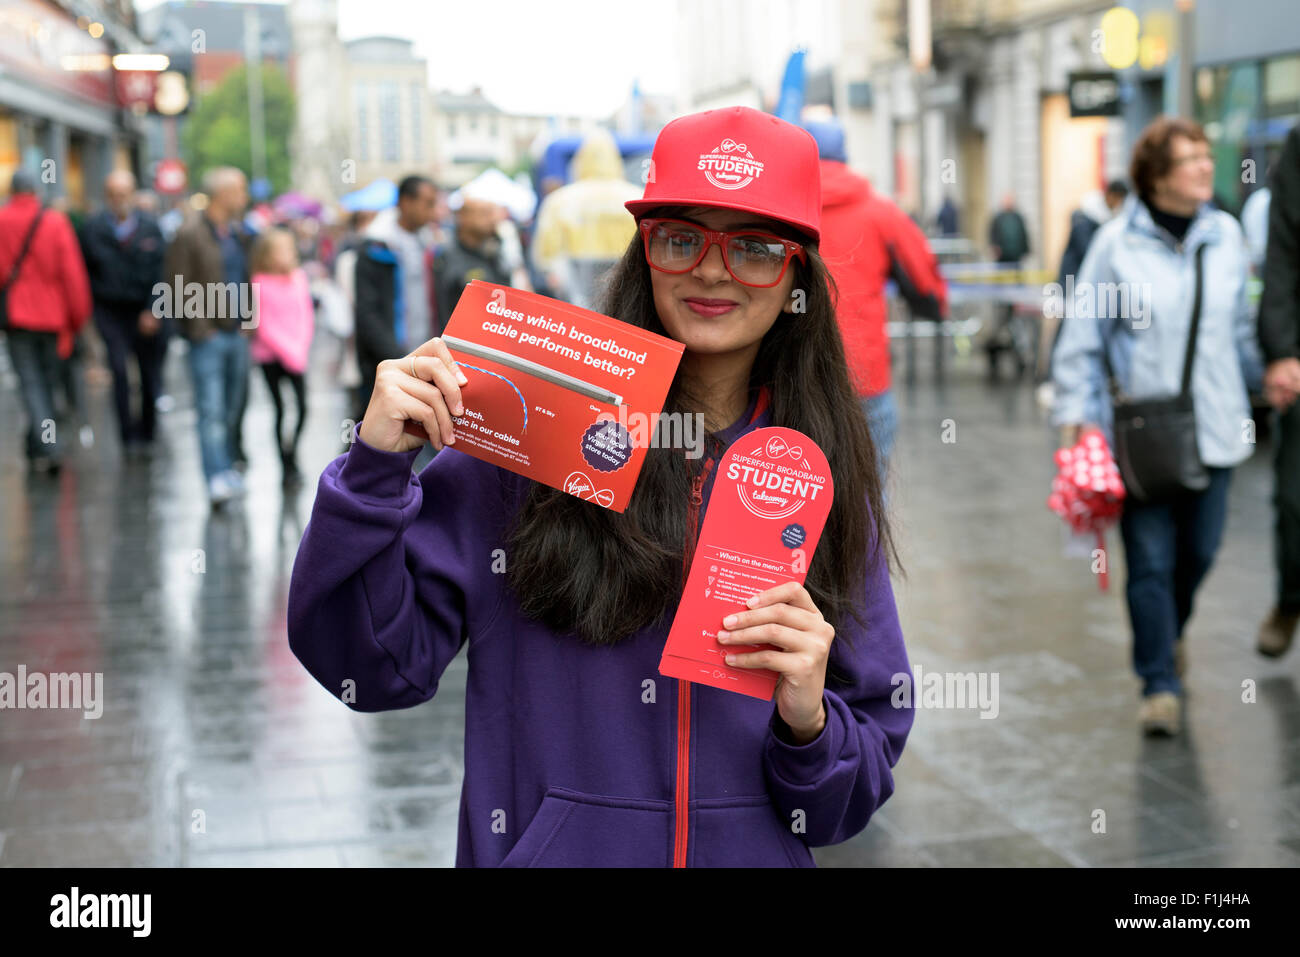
x,y
285,320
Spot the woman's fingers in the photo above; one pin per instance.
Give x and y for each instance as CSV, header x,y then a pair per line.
x,y
782,637
782,662
430,369
432,397
410,407
791,593
435,348
785,626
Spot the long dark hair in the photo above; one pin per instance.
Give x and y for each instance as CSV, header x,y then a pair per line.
x,y
602,576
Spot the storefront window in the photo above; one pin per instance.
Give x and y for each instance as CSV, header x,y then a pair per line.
x,y
1228,105
1282,87
9,155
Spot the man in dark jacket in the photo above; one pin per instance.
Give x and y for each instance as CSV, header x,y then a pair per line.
x,y
1009,241
209,258
123,248
475,253
1094,209
380,314
1279,337
391,293
1084,223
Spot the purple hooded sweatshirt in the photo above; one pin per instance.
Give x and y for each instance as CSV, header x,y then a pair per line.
x,y
573,753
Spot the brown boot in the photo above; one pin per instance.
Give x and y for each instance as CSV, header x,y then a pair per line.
x,y
1161,713
1275,634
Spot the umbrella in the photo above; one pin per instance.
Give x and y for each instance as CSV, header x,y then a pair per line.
x,y
381,194
1087,491
296,205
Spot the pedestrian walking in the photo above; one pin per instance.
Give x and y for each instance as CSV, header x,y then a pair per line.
x,y
1279,336
1254,223
1009,243
474,252
123,248
44,303
1095,208
948,219
211,252
1178,322
391,283
578,752
867,241
282,339
583,228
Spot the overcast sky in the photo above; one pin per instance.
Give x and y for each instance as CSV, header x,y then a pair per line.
x,y
529,56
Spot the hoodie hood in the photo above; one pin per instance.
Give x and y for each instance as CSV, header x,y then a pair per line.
x,y
383,225
841,185
598,158
1093,205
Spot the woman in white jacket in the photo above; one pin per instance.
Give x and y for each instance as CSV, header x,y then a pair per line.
x,y
1132,305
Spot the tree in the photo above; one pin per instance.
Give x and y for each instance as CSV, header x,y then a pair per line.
x,y
217,132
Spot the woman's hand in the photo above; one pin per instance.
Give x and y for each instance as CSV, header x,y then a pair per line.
x,y
422,387
786,617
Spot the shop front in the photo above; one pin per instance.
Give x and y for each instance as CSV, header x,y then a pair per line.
x,y
59,116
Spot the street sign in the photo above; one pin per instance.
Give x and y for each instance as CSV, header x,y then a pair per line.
x,y
170,177
136,88
1094,94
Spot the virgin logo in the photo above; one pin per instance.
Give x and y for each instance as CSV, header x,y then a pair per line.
x,y
731,146
580,485
776,448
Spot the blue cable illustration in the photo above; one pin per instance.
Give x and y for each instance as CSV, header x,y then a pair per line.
x,y
464,365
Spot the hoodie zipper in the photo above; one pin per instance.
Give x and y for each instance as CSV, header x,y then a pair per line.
x,y
683,795
681,799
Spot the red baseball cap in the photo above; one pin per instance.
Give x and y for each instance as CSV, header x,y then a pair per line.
x,y
736,158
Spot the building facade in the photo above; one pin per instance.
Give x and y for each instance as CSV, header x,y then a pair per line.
x,y
323,165
388,109
996,110
471,133
59,114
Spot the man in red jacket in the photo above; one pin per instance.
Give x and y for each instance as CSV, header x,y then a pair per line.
x,y
48,303
867,240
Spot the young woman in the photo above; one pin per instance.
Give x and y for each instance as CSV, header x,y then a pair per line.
x,y
282,340
578,752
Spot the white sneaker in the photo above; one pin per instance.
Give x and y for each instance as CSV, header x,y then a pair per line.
x,y
238,486
219,488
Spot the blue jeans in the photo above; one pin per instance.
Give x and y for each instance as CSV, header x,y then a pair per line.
x,y
219,365
882,417
35,359
1168,549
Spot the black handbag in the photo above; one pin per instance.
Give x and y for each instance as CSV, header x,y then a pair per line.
x,y
13,272
1155,438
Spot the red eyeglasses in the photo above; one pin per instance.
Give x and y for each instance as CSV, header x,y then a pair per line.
x,y
753,258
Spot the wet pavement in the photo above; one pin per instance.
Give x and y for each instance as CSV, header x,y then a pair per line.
x,y
216,748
